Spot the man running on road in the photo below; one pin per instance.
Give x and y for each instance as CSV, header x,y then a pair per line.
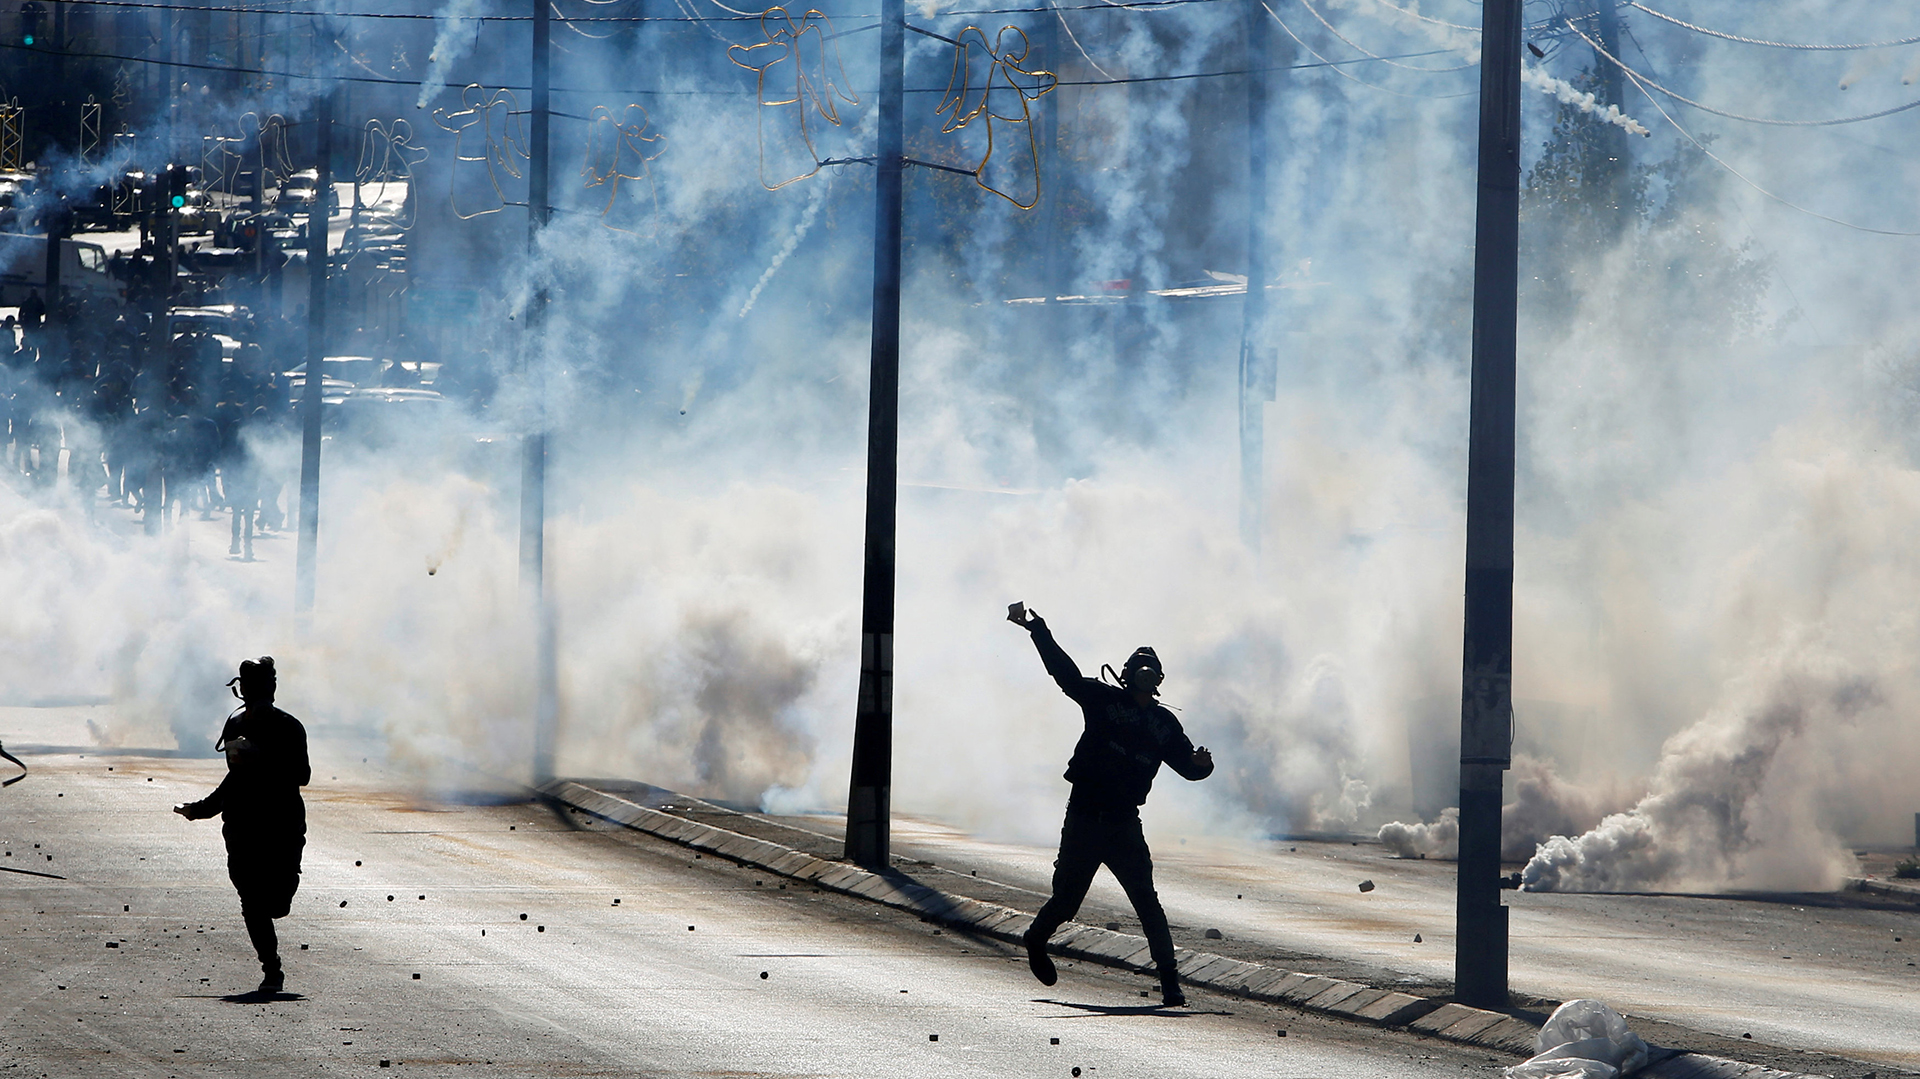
x,y
265,820
1128,735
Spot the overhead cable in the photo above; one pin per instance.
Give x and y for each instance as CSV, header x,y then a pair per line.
x,y
321,77
1638,77
1411,14
1060,15
1801,46
1741,176
1324,62
414,16
1311,10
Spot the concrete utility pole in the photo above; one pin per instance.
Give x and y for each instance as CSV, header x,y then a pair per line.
x,y
533,473
308,548
1486,704
869,798
1259,373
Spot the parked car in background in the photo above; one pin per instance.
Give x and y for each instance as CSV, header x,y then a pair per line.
x,y
199,214
297,193
229,324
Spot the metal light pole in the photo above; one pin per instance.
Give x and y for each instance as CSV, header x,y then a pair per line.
x,y
1486,704
533,473
869,797
308,547
1258,374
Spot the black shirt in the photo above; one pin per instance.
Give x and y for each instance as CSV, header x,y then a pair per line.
x,y
260,798
1124,743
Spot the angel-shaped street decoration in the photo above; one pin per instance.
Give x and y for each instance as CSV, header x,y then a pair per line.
x,y
388,155
619,148
800,71
992,84
270,145
501,144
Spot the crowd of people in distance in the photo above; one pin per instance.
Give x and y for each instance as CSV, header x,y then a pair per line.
x,y
153,421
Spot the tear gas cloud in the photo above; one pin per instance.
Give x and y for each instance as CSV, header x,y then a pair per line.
x,y
1715,498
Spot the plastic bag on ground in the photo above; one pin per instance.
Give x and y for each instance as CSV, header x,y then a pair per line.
x,y
1583,1039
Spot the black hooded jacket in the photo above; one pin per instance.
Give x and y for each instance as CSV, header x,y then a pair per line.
x,y
1124,743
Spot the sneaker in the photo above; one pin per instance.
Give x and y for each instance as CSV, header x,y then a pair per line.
x,y
1038,960
1172,997
273,982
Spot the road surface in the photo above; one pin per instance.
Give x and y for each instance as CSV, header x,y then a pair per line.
x,y
485,940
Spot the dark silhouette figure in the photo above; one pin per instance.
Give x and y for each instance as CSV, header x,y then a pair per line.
x,y
1128,736
265,821
34,311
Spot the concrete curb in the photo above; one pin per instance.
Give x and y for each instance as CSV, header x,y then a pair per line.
x,y
1347,1000
1888,888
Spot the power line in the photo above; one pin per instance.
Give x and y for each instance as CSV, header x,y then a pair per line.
x,y
313,77
1617,62
748,17
1315,12
1427,18
1718,160
1336,65
1771,44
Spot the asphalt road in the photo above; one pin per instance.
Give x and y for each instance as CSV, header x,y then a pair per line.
x,y
486,940
1833,974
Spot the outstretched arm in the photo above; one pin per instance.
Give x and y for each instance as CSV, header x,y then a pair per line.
x,y
1065,672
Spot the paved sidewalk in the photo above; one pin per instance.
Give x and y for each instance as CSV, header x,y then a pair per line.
x,y
785,851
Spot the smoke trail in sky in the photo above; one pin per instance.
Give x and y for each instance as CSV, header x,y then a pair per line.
x,y
456,31
1567,94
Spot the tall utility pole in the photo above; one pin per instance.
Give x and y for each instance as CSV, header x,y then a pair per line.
x,y
308,547
1258,363
533,472
869,798
1486,703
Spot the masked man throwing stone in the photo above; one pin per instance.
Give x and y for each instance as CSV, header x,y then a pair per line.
x,y
1128,736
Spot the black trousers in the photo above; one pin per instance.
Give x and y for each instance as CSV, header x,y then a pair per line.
x,y
1089,840
266,874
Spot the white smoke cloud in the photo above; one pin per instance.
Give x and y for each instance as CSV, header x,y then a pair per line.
x,y
1690,498
1544,805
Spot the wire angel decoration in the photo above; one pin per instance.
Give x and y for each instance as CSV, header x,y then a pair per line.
x,y
388,155
812,62
270,144
503,147
986,84
618,152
